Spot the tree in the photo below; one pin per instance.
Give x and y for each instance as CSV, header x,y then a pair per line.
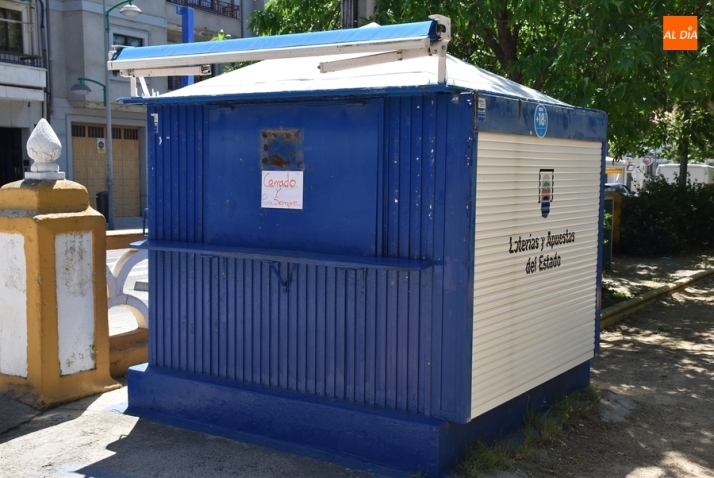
x,y
605,54
683,125
296,16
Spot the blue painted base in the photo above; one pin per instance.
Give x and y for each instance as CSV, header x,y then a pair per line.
x,y
385,442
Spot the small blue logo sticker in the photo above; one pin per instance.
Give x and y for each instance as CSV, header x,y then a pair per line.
x,y
540,121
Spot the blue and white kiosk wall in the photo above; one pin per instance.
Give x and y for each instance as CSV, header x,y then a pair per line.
x,y
375,263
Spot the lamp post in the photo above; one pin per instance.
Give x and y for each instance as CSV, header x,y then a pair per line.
x,y
82,89
130,11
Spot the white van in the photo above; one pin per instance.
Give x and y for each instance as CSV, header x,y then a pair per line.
x,y
697,172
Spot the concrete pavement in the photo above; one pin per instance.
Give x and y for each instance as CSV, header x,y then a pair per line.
x,y
92,437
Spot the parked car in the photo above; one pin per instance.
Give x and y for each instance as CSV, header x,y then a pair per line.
x,y
618,189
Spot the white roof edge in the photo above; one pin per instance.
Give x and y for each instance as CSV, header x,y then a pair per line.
x,y
297,75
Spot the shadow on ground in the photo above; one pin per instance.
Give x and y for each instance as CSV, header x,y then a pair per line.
x,y
93,437
154,450
18,419
662,359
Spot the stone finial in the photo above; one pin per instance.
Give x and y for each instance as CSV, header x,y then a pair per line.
x,y
44,148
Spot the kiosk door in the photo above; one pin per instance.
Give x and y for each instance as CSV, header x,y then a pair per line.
x,y
300,177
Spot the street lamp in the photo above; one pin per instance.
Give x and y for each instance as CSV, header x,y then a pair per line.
x,y
130,11
82,89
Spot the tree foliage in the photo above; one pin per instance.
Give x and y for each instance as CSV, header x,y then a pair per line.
x,y
296,16
604,54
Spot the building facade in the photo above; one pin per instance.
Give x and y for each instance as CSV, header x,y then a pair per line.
x,y
23,81
77,51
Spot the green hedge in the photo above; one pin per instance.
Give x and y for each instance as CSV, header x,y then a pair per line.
x,y
665,219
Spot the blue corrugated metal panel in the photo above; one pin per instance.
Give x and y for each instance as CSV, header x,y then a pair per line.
x,y
410,173
175,202
458,206
362,333
176,173
312,336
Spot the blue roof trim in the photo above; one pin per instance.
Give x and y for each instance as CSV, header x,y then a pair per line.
x,y
515,116
203,99
566,122
353,35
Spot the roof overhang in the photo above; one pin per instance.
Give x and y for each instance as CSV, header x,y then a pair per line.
x,y
383,44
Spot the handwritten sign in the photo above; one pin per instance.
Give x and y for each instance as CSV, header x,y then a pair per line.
x,y
281,190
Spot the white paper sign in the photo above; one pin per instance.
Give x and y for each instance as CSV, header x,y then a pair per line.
x,y
281,189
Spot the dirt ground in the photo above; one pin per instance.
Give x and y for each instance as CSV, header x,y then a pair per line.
x,y
631,276
659,363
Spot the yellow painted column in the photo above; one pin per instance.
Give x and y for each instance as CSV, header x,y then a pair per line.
x,y
54,331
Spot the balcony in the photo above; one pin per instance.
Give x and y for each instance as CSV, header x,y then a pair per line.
x,y
21,59
211,6
22,77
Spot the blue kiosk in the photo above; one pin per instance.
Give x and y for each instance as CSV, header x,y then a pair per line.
x,y
363,249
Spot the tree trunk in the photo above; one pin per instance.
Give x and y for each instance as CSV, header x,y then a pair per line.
x,y
349,9
503,42
684,148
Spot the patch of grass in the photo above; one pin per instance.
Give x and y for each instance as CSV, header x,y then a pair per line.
x,y
614,294
482,457
540,427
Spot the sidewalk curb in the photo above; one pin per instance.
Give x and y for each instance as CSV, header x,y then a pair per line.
x,y
614,314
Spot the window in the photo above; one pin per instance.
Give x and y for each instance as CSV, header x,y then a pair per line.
x,y
78,131
10,30
126,40
95,131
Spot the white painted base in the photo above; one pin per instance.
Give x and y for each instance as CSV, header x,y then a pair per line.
x,y
13,300
75,302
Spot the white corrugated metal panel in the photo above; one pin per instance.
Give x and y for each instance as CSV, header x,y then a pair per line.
x,y
303,74
532,326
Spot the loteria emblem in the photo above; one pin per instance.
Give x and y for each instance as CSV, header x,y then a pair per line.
x,y
545,190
